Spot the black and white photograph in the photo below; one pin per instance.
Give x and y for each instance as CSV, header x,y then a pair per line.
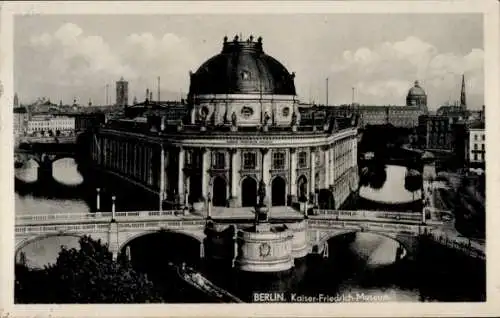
x,y
201,158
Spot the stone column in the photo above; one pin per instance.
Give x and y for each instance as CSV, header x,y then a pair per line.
x,y
265,175
149,164
205,165
327,166
113,239
134,156
162,176
313,169
293,174
233,153
180,174
335,162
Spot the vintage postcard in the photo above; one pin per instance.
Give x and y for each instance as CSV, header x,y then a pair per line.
x,y
229,159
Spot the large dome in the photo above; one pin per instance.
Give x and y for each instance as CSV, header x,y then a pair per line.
x,y
416,96
242,68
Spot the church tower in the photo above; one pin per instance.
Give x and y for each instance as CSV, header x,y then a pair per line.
x,y
16,101
463,101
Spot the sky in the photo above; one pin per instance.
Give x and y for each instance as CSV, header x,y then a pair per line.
x,y
63,57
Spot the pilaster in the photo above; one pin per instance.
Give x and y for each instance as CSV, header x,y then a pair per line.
x,y
180,174
234,153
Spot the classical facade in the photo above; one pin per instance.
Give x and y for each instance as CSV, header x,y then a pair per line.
x,y
241,127
42,124
404,116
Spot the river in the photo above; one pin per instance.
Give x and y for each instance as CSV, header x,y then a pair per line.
x,y
362,264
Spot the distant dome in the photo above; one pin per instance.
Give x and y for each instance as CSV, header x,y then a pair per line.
x,y
416,96
242,68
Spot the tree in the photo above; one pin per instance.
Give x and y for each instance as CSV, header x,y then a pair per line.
x,y
90,275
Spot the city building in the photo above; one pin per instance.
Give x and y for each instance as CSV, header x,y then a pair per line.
x,y
122,93
435,132
20,120
242,129
46,124
404,116
476,145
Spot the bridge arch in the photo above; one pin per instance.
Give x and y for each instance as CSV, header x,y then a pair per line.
x,y
30,240
149,232
151,250
407,241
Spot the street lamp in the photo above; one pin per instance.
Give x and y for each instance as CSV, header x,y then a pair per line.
x,y
113,198
98,203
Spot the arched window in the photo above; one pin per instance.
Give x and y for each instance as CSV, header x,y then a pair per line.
x,y
302,158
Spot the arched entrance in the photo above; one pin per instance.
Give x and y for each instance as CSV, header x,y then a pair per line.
x,y
248,192
278,191
219,192
302,188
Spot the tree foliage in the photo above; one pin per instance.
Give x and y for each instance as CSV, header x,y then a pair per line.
x,y
413,181
85,275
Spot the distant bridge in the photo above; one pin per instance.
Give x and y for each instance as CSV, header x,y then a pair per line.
x,y
118,229
47,140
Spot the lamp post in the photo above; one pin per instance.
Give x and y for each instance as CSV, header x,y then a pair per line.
x,y
209,200
98,201
209,206
113,198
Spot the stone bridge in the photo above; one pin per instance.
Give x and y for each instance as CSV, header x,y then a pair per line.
x,y
119,228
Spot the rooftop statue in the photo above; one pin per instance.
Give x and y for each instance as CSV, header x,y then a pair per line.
x,y
266,118
234,119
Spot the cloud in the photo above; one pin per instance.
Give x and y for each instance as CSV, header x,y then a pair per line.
x,y
72,59
388,69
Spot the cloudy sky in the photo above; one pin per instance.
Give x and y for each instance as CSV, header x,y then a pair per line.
x,y
381,55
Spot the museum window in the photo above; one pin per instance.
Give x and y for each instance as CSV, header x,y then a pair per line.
x,y
482,137
249,160
482,147
302,159
219,160
475,146
475,157
278,160
475,137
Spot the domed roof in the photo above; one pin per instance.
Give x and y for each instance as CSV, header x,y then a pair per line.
x,y
416,90
242,68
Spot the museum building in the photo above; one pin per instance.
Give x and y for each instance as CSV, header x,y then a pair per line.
x,y
240,128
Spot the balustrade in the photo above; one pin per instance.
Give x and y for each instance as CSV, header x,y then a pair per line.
x,y
98,216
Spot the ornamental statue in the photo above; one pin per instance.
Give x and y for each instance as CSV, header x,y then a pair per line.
x,y
203,116
294,119
266,118
234,119
262,192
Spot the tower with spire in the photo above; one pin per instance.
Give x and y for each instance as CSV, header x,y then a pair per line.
x,y
463,101
16,100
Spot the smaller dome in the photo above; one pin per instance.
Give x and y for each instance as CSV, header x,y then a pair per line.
x,y
416,96
416,90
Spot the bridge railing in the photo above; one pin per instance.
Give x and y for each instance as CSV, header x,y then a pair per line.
x,y
462,244
368,226
68,217
364,214
104,227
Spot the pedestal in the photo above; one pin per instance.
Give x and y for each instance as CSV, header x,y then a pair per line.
x,y
233,202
